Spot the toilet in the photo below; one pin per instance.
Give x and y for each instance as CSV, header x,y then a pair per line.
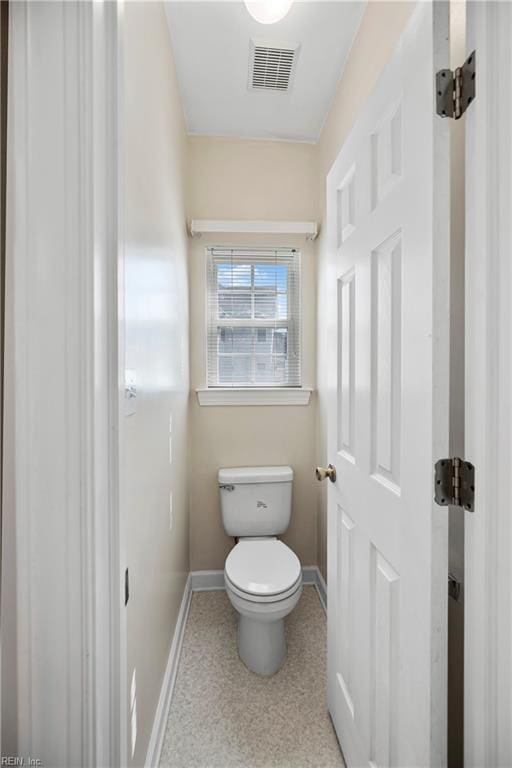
x,y
262,575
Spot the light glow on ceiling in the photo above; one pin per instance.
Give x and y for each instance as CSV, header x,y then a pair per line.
x,y
268,11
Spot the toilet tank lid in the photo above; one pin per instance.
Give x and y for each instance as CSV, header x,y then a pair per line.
x,y
236,475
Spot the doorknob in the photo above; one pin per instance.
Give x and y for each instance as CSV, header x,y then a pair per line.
x,y
323,472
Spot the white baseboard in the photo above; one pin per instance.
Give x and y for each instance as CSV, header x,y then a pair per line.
x,y
321,588
207,581
311,575
164,702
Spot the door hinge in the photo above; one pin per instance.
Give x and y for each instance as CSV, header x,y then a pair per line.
x,y
455,483
456,90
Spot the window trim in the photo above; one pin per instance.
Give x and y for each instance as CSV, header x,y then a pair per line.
x,y
220,396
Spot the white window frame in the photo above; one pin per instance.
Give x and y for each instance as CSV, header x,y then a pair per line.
x,y
247,393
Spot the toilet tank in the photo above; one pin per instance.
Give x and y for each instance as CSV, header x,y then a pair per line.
x,y
256,501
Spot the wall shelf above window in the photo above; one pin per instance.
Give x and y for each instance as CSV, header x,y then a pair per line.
x,y
307,228
254,396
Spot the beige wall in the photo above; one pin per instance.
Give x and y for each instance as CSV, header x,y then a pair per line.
x,y
380,29
243,179
156,347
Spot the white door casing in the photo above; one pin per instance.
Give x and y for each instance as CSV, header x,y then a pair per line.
x,y
63,253
488,426
388,235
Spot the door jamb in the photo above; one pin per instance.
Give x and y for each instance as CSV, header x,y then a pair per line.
x,y
488,531
4,57
89,294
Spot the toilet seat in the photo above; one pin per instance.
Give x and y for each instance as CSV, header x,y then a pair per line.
x,y
251,597
262,570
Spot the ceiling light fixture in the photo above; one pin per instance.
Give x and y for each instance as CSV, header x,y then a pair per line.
x,y
268,11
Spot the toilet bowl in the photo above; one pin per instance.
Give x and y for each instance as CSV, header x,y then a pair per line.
x,y
263,581
262,576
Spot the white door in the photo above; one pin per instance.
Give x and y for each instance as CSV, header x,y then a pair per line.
x,y
388,232
488,531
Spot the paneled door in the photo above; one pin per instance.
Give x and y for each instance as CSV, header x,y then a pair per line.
x,y
388,239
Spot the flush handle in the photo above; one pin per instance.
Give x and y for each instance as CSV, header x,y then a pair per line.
x,y
323,472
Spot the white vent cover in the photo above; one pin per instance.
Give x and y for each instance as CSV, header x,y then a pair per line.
x,y
272,65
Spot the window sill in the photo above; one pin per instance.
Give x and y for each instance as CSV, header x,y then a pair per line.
x,y
250,396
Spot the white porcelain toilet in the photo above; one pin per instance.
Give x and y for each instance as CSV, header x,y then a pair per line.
x,y
262,575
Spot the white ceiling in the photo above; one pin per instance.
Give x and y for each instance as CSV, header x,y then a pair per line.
x,y
211,49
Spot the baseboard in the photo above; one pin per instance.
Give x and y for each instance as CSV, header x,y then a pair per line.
x,y
321,588
206,581
164,702
309,574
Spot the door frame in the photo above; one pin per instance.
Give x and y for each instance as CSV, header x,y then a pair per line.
x,y
488,443
4,42
66,224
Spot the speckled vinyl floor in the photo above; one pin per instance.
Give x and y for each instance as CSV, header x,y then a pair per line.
x,y
223,716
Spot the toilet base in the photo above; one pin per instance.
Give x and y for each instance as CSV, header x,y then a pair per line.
x,y
261,644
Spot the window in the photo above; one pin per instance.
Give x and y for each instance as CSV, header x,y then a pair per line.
x,y
253,318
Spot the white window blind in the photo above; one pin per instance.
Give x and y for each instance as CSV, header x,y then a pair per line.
x,y
254,324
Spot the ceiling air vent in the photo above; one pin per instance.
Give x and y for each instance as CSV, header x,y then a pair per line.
x,y
272,66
